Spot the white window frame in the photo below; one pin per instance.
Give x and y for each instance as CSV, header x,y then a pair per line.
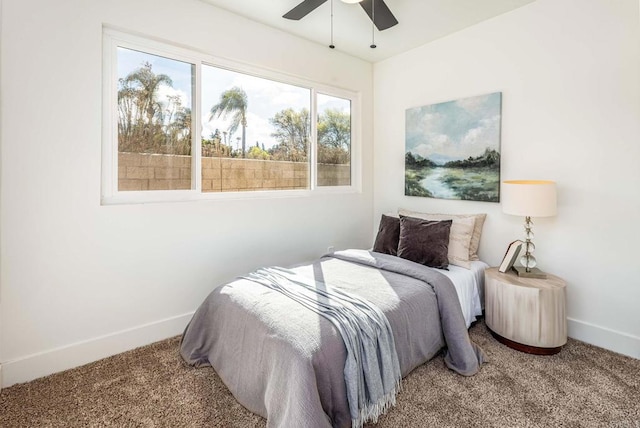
x,y
112,39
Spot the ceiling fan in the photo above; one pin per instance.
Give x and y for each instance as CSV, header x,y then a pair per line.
x,y
376,9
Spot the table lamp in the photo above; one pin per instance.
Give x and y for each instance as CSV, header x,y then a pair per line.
x,y
529,198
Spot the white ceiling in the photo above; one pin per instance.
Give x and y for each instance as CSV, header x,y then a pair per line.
x,y
420,21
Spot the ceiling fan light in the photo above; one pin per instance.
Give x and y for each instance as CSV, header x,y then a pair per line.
x,y
351,1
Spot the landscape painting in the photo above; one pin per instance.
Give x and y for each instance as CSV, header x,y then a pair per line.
x,y
453,149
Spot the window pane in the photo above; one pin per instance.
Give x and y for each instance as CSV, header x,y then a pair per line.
x,y
255,133
154,122
334,141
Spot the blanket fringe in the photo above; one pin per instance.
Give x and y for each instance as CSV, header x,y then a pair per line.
x,y
372,411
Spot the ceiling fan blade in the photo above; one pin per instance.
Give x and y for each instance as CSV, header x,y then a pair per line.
x,y
304,8
384,18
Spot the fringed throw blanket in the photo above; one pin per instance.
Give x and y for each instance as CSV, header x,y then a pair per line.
x,y
371,372
462,355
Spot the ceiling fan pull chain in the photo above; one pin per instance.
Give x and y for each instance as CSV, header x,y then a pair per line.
x,y
373,27
332,46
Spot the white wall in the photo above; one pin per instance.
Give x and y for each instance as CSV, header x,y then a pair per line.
x,y
80,281
569,73
1,8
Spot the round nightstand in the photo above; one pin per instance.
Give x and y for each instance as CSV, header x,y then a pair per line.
x,y
527,314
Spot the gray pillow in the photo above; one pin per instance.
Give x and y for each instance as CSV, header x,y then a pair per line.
x,y
388,235
425,241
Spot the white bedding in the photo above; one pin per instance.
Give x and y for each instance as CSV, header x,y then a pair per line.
x,y
469,284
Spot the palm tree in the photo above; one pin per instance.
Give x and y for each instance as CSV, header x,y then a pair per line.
x,y
233,102
141,116
148,83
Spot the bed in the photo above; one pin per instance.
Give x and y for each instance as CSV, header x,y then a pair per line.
x,y
287,364
469,285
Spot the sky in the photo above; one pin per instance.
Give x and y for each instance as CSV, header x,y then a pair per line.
x,y
454,130
265,97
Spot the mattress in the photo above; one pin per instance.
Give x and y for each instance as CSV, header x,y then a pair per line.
x,y
469,284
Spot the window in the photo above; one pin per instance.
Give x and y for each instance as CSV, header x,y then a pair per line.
x,y
334,141
258,132
154,105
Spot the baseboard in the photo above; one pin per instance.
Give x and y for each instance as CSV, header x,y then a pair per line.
x,y
67,357
77,354
613,340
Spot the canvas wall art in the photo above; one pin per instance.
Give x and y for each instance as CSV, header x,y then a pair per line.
x,y
453,149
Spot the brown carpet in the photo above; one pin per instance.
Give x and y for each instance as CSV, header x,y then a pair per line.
x,y
582,386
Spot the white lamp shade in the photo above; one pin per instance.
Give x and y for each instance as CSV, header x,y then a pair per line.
x,y
529,198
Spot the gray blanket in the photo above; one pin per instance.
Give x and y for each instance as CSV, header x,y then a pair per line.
x,y
462,356
286,363
371,372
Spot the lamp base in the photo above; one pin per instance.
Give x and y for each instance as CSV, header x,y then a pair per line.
x,y
533,272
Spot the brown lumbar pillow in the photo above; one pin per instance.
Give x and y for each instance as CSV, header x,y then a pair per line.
x,y
474,244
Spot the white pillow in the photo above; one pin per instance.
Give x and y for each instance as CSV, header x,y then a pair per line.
x,y
477,229
459,236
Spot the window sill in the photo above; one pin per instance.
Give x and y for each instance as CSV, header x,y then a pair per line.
x,y
164,196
